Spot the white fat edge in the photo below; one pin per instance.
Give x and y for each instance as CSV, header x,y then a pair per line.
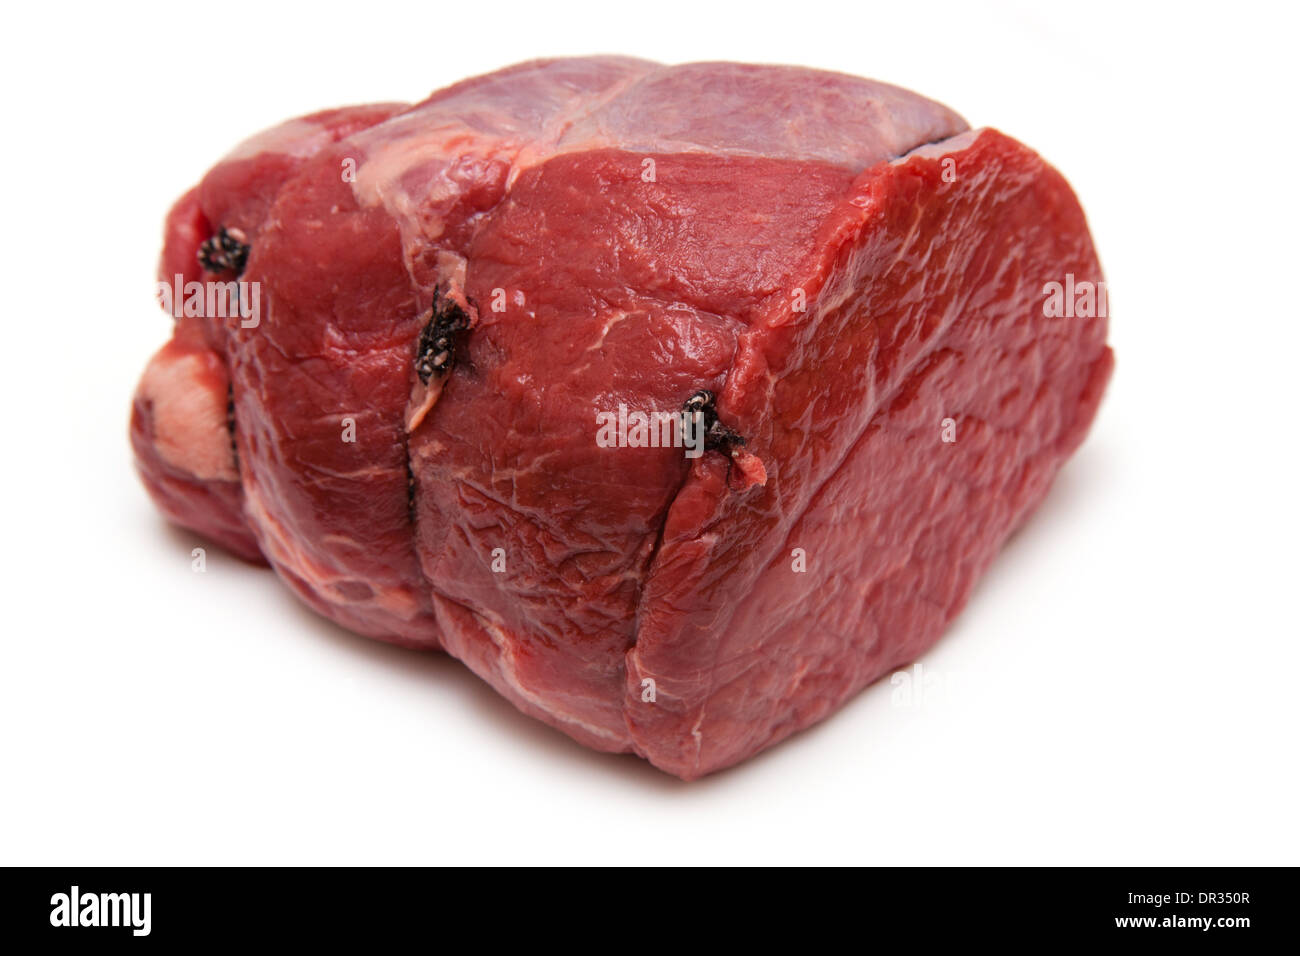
x,y
299,138
189,420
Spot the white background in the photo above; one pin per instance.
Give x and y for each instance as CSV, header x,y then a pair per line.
x,y
1121,689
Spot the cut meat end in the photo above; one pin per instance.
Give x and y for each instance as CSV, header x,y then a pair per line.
x,y
934,291
183,447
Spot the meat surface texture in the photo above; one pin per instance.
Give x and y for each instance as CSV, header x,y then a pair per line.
x,y
847,281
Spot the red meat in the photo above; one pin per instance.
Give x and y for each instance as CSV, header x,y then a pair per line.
x,y
836,275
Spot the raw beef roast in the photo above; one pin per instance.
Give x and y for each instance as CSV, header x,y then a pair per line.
x,y
421,394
